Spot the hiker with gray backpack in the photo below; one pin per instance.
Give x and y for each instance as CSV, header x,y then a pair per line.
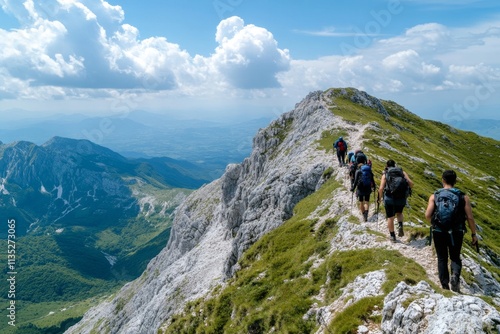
x,y
447,210
395,187
365,184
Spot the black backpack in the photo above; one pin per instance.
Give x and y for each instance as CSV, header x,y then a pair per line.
x,y
361,158
396,185
449,210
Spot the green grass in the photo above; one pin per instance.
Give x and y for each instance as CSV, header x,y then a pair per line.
x,y
356,314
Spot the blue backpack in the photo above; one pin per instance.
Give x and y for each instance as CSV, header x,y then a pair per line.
x,y
366,177
449,212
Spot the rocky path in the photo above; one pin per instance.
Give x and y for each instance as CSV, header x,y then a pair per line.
x,y
351,238
414,249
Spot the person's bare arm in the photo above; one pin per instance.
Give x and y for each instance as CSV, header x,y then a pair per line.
x,y
410,182
381,187
430,208
470,218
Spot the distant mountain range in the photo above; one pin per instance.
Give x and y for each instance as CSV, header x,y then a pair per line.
x,y
61,181
139,134
87,219
484,127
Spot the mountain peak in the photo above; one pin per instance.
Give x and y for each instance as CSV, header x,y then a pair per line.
x,y
278,245
81,147
359,97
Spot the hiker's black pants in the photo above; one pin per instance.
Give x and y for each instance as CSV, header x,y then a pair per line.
x,y
341,156
445,247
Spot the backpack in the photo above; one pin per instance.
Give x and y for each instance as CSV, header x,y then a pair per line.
x,y
352,169
341,146
349,156
449,212
361,158
365,181
396,185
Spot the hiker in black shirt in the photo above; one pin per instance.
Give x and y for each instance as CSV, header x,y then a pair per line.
x,y
395,185
447,210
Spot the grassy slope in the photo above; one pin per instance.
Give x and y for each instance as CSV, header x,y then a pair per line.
x,y
277,282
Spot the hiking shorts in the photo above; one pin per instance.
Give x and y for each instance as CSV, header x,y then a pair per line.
x,y
393,206
363,198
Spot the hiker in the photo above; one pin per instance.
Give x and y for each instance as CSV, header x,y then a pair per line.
x,y
395,186
365,184
357,158
341,146
447,210
349,156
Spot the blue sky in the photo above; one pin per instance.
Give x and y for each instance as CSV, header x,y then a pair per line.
x,y
242,58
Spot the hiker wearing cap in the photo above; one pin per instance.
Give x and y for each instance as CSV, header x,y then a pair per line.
x,y
395,186
341,147
447,210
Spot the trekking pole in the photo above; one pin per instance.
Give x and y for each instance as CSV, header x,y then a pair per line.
x,y
430,236
352,198
378,208
374,203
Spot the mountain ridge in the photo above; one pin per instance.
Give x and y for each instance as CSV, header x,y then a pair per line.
x,y
230,241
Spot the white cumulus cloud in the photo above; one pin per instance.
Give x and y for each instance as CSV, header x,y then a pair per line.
x,y
248,56
86,45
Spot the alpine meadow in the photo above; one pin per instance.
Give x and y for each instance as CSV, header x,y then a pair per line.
x,y
277,245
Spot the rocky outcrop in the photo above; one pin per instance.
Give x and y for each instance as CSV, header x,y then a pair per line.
x,y
419,309
218,222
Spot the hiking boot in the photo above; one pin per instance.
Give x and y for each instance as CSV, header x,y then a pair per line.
x,y
400,230
393,238
455,283
365,215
